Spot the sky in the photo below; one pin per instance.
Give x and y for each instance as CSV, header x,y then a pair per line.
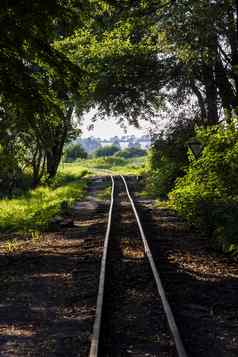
x,y
108,128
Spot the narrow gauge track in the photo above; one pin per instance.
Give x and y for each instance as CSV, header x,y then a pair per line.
x,y
133,317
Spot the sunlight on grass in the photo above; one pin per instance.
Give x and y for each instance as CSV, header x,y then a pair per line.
x,y
35,209
113,165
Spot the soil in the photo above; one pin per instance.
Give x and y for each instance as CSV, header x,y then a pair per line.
x,y
201,284
49,285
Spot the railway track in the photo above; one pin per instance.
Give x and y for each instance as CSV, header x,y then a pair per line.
x,y
133,316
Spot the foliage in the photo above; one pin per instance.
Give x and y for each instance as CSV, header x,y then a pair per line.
x,y
35,209
74,152
140,55
131,152
116,62
110,165
107,150
208,194
13,178
38,83
134,166
130,59
25,66
167,158
160,181
103,162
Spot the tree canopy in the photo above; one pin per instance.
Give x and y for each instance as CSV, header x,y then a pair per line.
x,y
130,59
107,150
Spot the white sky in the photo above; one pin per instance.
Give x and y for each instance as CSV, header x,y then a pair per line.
x,y
108,128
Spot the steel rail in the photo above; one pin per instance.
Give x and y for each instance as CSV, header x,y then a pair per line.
x,y
94,348
169,314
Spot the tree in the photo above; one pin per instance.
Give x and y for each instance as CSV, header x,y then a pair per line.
x,y
108,150
28,31
130,59
131,152
203,36
144,54
74,152
38,83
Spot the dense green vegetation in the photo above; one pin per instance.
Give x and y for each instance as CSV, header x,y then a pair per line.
x,y
207,194
133,60
167,159
202,189
113,164
36,209
107,150
74,152
131,152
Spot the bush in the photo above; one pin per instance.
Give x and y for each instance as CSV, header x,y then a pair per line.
x,y
108,162
108,150
160,181
74,152
131,152
166,160
13,180
208,194
35,209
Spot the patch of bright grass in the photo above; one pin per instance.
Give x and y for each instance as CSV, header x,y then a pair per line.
x,y
34,210
68,173
114,165
162,204
11,246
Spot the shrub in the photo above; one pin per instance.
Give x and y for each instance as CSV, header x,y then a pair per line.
x,y
131,152
12,177
108,150
160,181
35,209
108,162
74,152
167,158
208,194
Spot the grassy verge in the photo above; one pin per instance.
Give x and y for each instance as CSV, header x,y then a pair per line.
x,y
34,210
113,165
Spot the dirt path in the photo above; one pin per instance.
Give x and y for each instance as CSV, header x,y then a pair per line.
x,y
202,285
49,287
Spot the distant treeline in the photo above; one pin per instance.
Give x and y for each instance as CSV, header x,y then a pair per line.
x,y
90,144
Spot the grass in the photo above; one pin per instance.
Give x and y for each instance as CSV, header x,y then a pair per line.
x,y
113,165
34,210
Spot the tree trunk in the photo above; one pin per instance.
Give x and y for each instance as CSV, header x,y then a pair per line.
x,y
201,102
38,165
54,152
211,95
228,97
53,157
233,39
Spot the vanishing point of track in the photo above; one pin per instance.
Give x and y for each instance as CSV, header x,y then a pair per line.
x,y
96,349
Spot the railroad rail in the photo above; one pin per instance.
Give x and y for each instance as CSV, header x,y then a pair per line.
x,y
96,334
